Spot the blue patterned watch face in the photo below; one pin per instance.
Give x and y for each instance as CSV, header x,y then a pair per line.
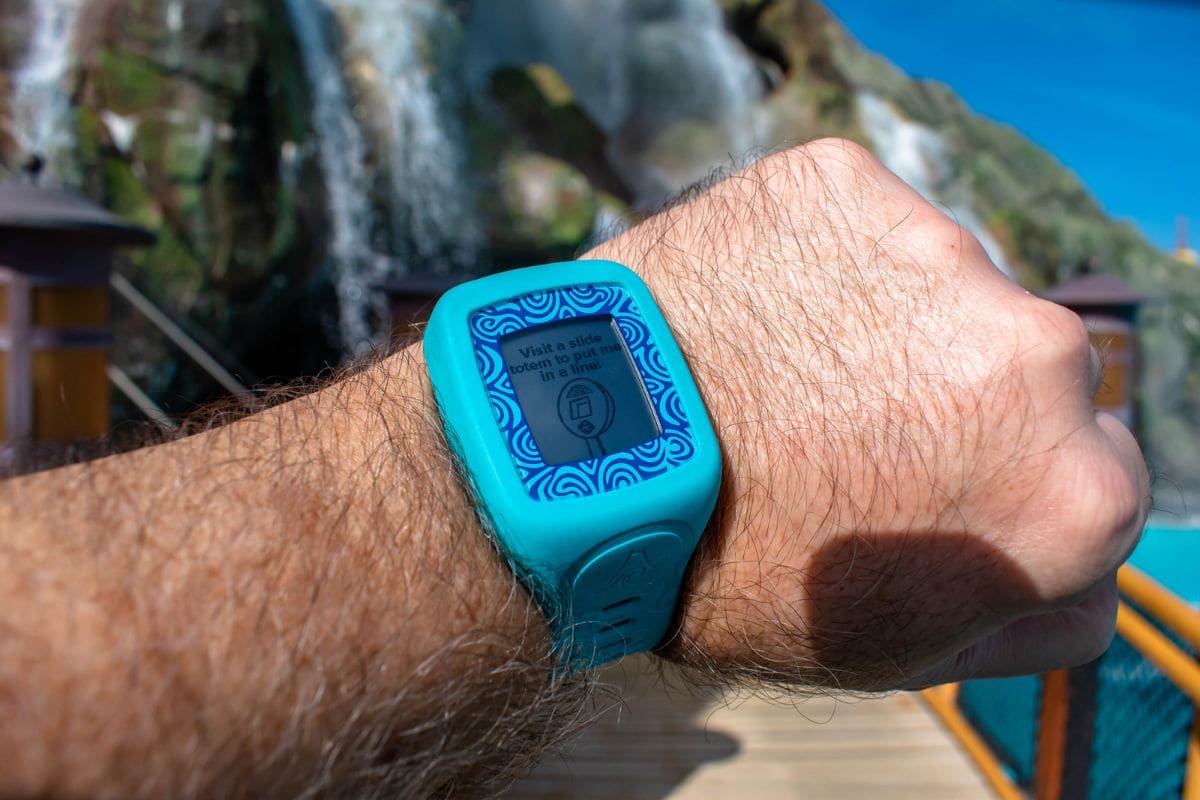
x,y
580,391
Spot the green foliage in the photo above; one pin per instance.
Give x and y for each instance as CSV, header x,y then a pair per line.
x,y
222,166
548,203
131,82
126,195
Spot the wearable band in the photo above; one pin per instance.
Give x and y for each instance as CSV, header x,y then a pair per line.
x,y
577,423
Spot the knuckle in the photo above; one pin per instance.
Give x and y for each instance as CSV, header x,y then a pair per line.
x,y
1115,501
962,239
940,236
1060,337
1063,326
1101,523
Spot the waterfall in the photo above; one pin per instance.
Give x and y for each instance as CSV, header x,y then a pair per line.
x,y
434,223
342,152
173,25
376,109
40,101
917,154
733,80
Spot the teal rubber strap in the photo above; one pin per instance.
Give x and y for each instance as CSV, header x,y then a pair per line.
x,y
603,543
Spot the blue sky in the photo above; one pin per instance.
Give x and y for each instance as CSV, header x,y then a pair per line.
x,y
1111,87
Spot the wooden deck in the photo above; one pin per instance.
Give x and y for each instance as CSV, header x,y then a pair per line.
x,y
670,745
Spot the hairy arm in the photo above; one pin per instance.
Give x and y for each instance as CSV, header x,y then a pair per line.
x,y
916,489
298,601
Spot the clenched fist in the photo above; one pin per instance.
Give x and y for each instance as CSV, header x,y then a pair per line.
x,y
303,601
917,486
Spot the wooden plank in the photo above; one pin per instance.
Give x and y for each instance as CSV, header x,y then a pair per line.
x,y
664,744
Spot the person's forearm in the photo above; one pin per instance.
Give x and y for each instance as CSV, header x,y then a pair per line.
x,y
916,489
299,600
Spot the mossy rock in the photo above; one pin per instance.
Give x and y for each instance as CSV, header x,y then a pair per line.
x,y
682,153
550,85
129,83
551,124
549,203
127,196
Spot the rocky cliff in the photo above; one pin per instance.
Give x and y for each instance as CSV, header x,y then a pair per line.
x,y
294,154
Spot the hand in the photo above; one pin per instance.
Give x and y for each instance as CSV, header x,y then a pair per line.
x,y
301,602
917,487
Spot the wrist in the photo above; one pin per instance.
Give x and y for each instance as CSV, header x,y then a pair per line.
x,y
417,642
697,625
297,602
438,549
718,622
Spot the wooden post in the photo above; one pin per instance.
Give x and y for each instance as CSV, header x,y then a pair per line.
x,y
1052,735
1191,778
1066,727
69,340
18,388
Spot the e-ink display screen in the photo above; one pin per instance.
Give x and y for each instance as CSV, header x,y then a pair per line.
x,y
580,391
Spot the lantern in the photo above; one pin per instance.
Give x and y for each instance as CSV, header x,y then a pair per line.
x,y
56,253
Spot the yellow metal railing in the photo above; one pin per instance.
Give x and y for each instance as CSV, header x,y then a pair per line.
x,y
944,702
1176,664
1166,607
1179,666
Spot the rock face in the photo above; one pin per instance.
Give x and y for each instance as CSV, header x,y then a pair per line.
x,y
1048,227
292,154
189,118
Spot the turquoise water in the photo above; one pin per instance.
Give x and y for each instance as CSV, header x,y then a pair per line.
x,y
1172,557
